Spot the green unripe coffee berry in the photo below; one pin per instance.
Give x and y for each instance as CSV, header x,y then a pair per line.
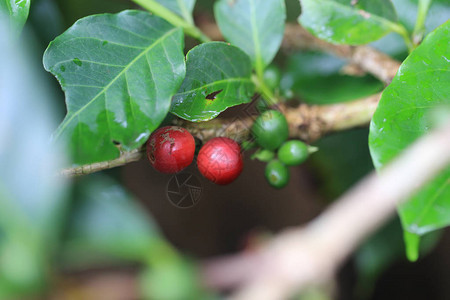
x,y
293,153
277,174
270,129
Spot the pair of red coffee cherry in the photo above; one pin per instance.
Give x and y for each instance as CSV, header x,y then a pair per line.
x,y
170,149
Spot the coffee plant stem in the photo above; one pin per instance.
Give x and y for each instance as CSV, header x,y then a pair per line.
x,y
403,32
419,28
187,24
296,38
265,90
308,122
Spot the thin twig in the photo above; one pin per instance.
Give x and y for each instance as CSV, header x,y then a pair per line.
x,y
299,257
297,38
125,158
368,59
307,122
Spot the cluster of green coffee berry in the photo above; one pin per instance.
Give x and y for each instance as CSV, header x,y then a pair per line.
x,y
271,132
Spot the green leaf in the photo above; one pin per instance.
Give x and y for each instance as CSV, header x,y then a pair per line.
x,y
107,222
183,8
119,73
32,198
17,10
256,26
412,242
341,22
420,86
218,76
309,72
30,194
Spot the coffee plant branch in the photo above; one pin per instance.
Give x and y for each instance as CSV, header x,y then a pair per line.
x,y
297,38
300,257
307,122
124,158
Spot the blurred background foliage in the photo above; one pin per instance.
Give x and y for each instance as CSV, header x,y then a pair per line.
x,y
95,237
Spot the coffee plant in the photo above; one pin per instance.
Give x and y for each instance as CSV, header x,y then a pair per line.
x,y
128,74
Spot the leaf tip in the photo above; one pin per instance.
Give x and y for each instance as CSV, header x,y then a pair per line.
x,y
412,242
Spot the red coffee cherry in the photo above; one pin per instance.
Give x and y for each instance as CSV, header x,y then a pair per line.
x,y
220,160
170,149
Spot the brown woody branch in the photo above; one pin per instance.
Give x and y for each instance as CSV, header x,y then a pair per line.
x,y
300,257
368,59
306,122
125,158
297,38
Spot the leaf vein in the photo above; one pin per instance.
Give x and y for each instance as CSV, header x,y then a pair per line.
x,y
143,53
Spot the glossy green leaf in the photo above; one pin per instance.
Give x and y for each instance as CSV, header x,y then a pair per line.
x,y
348,22
308,72
421,85
256,26
119,73
107,222
218,76
183,8
17,10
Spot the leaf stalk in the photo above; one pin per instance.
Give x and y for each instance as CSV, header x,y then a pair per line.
x,y
419,28
161,11
266,92
403,32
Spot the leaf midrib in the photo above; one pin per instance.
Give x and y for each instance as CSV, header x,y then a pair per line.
x,y
259,65
75,114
